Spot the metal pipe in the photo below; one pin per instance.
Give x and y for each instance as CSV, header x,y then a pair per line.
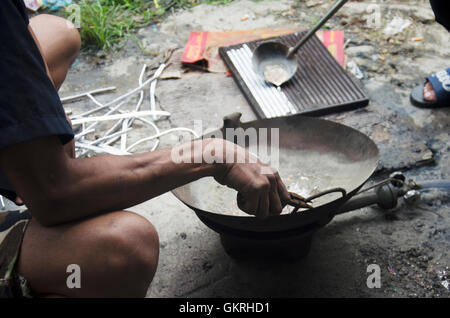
x,y
386,197
319,24
443,184
358,202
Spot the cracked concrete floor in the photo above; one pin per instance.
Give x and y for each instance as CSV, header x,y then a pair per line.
x,y
411,245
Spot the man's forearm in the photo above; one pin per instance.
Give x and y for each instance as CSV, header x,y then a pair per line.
x,y
108,183
59,189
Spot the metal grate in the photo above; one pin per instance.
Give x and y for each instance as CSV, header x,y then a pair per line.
x,y
320,86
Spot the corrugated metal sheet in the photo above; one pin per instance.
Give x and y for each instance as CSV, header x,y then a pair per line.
x,y
320,86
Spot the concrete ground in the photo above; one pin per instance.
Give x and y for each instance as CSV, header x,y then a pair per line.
x,y
411,245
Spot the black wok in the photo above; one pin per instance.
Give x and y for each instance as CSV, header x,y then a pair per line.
x,y
314,155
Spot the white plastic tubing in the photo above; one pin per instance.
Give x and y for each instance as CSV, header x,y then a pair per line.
x,y
124,120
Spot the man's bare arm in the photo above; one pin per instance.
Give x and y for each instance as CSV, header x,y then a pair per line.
x,y
59,188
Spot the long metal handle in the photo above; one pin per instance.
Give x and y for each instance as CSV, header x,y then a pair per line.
x,y
358,202
329,14
386,195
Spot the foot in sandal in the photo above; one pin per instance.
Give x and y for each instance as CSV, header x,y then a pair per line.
x,y
435,92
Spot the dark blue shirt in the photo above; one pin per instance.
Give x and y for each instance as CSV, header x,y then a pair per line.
x,y
29,104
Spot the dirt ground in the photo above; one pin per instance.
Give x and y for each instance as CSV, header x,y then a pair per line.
x,y
410,244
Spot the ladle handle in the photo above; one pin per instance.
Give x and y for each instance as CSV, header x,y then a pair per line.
x,y
322,21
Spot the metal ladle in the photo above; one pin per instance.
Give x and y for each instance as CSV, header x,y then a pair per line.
x,y
275,62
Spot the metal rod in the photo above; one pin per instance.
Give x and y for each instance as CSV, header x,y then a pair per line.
x,y
358,202
443,184
385,199
319,24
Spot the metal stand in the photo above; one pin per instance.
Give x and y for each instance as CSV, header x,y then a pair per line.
x,y
295,244
289,248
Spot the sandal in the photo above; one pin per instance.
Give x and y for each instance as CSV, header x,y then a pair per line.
x,y
441,85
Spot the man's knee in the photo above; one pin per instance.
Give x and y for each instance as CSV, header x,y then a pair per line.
x,y
72,39
62,29
132,246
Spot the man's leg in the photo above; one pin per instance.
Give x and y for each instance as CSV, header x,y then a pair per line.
x,y
59,43
117,252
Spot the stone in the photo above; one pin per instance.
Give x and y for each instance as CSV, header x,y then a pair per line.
x,y
359,50
424,15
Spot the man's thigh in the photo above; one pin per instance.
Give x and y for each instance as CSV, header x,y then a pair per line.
x,y
117,254
59,43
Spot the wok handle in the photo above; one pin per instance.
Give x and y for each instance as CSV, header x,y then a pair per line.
x,y
321,194
297,206
232,121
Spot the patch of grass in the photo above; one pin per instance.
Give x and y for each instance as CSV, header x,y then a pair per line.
x,y
105,23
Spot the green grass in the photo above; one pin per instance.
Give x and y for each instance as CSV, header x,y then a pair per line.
x,y
105,23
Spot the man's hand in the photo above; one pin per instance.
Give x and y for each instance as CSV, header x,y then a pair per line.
x,y
260,189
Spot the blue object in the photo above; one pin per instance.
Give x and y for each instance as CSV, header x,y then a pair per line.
x,y
441,85
54,5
